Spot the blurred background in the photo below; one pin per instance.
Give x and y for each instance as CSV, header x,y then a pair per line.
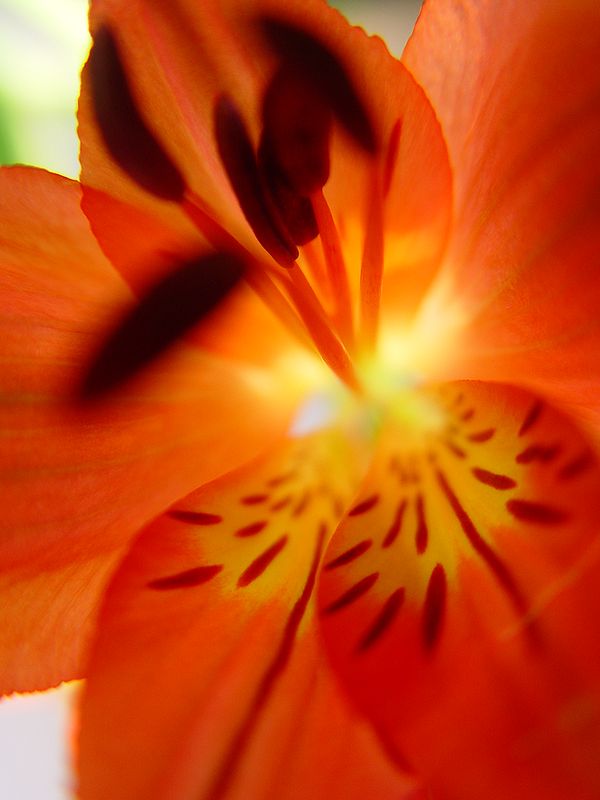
x,y
43,44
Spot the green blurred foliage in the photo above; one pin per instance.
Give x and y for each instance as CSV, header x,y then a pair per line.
x,y
43,44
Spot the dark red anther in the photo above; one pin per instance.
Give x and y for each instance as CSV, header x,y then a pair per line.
x,y
295,138
239,160
126,135
295,210
163,315
323,72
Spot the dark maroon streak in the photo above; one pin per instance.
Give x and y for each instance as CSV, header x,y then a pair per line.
x,y
278,480
260,564
302,505
294,149
531,418
285,501
187,579
353,594
482,436
501,572
268,683
254,499
434,607
391,156
364,506
168,310
576,467
394,529
126,135
252,529
382,621
493,479
349,555
454,449
195,517
295,210
394,464
536,513
323,72
238,159
467,415
422,534
539,452
458,400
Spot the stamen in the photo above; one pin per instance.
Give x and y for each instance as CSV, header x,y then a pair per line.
x,y
239,161
371,270
325,73
336,269
256,273
297,123
303,297
391,156
182,299
126,135
330,348
313,259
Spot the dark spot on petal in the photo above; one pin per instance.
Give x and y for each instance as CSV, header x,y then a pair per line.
x,y
539,452
434,607
422,534
531,417
349,555
302,504
187,579
576,466
252,529
364,506
195,517
382,621
394,529
500,570
353,594
260,564
482,436
254,499
285,501
493,479
530,511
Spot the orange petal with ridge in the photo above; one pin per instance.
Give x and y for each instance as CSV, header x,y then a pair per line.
x,y
516,89
459,598
79,481
207,660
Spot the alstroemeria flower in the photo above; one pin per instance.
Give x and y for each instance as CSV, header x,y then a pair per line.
x,y
365,479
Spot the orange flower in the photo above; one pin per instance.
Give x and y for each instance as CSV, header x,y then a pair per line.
x,y
366,477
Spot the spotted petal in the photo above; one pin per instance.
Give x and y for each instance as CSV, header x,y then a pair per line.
x,y
207,660
459,597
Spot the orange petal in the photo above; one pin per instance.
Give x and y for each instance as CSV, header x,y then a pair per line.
x,y
459,598
77,483
207,661
516,89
